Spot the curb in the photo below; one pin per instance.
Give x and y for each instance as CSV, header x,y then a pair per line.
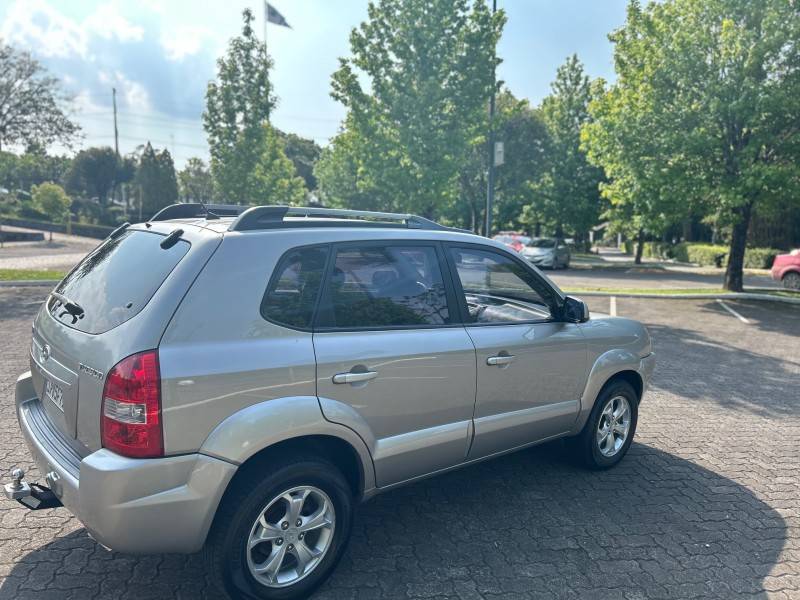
x,y
30,283
690,296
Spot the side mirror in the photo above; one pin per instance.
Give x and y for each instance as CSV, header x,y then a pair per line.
x,y
575,310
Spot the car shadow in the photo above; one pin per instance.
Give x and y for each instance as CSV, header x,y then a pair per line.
x,y
530,524
770,317
694,366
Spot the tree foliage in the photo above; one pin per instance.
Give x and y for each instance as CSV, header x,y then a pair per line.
x,y
566,195
304,153
52,200
156,180
31,103
429,66
21,172
522,131
705,109
93,173
195,182
243,146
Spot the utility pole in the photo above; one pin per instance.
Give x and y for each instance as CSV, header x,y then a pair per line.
x,y
116,132
490,147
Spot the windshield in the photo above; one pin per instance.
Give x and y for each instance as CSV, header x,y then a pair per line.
x,y
542,243
115,281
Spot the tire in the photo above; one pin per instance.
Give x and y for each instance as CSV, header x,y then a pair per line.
x,y
791,281
238,520
587,446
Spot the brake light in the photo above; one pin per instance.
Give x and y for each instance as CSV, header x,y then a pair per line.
x,y
131,411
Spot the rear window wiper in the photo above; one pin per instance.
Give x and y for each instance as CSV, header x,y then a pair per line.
x,y
74,309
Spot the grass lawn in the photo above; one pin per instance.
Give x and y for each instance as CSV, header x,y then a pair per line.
x,y
29,274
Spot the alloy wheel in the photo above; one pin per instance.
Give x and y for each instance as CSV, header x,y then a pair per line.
x,y
613,426
291,536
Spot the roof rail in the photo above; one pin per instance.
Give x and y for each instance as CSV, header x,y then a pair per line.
x,y
190,210
272,217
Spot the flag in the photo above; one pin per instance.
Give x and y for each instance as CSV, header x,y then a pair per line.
x,y
273,16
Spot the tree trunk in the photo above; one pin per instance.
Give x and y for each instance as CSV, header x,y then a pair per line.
x,y
734,276
687,230
538,229
639,247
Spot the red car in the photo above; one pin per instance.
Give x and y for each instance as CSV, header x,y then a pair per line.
x,y
512,239
786,268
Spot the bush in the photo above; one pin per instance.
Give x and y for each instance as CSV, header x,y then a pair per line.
x,y
710,255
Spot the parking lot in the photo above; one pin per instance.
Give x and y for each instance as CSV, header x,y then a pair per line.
x,y
706,504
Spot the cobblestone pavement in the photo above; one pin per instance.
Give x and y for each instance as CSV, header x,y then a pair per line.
x,y
706,504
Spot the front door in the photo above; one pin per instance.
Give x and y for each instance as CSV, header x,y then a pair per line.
x,y
393,362
530,367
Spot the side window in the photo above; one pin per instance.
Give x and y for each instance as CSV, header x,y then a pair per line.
x,y
294,288
497,288
385,286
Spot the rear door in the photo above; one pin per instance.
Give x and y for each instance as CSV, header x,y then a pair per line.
x,y
95,319
393,361
530,366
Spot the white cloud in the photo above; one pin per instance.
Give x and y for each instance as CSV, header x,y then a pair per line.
x,y
184,40
107,23
35,24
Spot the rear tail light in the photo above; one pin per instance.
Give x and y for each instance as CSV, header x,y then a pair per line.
x,y
131,412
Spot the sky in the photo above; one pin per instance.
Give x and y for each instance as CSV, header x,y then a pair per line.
x,y
160,56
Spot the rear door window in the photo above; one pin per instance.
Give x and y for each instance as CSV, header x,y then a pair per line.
x,y
116,281
385,286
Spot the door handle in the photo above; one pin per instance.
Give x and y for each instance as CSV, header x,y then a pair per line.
x,y
351,377
500,359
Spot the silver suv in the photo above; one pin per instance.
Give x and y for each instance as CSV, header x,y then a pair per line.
x,y
238,380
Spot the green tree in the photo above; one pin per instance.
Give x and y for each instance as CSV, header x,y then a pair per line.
x,y
429,66
274,179
156,180
344,182
93,173
21,172
31,103
304,154
52,200
236,119
195,182
567,195
714,89
523,133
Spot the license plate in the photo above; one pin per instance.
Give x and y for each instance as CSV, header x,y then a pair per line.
x,y
53,393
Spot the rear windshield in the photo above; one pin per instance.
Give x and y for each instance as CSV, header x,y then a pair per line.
x,y
115,281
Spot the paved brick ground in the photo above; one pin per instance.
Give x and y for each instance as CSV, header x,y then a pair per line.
x,y
707,503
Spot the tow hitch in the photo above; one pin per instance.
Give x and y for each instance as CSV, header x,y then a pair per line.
x,y
30,495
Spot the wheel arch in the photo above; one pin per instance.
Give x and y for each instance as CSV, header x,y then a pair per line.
x,y
295,424
611,366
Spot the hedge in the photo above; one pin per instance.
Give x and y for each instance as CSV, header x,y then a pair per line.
x,y
709,255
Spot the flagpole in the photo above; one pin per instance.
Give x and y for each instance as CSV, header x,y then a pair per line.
x,y
266,53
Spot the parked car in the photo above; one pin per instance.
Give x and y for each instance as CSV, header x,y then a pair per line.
x,y
786,268
515,241
551,253
239,383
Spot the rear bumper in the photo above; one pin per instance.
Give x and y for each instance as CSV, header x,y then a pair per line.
x,y
130,505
